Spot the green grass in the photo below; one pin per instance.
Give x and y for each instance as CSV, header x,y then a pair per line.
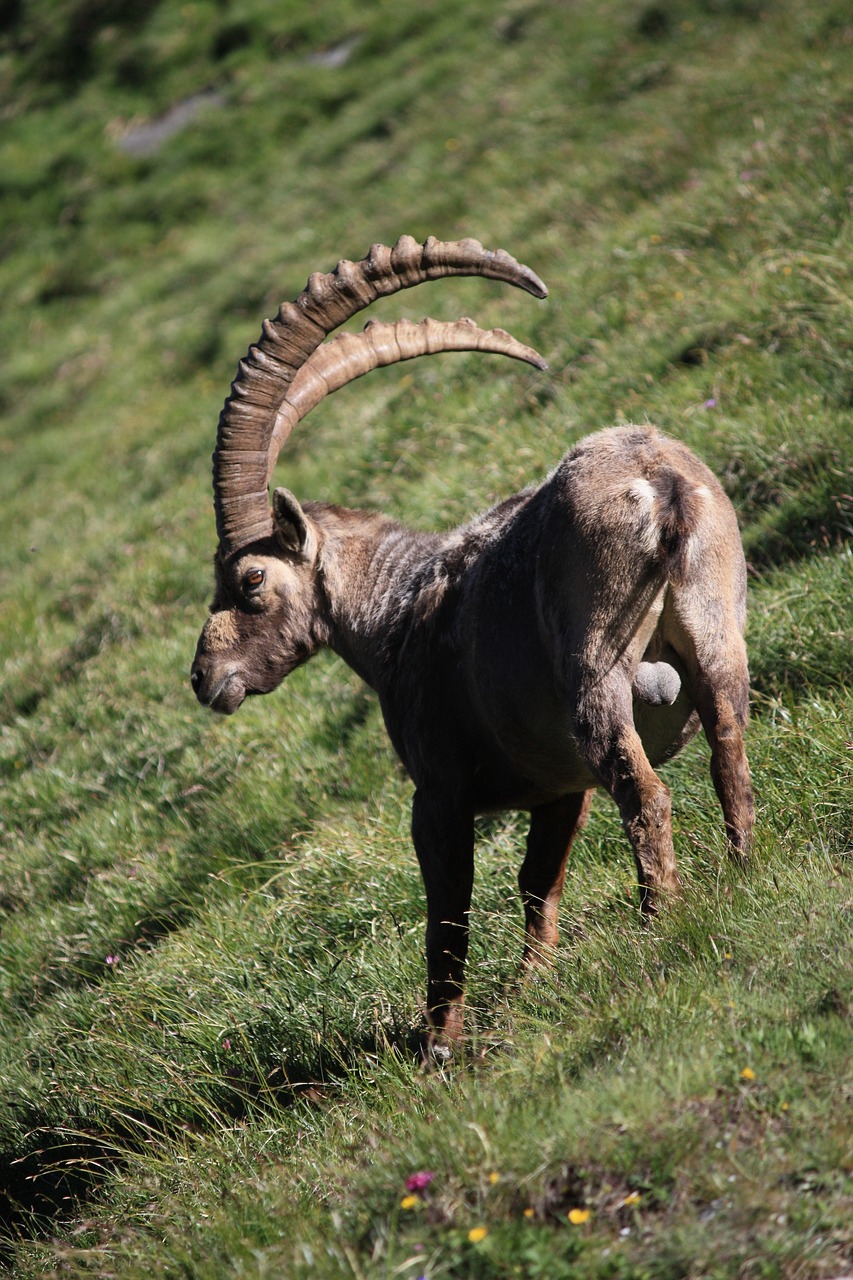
x,y
211,962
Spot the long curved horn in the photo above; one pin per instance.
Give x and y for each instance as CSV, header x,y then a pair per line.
x,y
252,425
351,355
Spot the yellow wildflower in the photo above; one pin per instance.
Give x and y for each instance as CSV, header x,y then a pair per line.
x,y
529,1213
578,1216
633,1197
494,1177
409,1202
476,1234
747,1074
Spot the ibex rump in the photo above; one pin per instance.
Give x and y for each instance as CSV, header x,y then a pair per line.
x,y
574,636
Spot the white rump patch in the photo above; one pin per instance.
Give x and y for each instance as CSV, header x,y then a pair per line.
x,y
643,495
702,491
641,491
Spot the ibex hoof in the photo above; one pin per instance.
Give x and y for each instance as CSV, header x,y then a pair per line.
x,y
435,1053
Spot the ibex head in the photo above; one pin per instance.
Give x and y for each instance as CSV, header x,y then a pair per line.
x,y
266,616
261,623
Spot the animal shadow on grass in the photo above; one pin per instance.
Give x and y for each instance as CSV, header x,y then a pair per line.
x,y
47,1180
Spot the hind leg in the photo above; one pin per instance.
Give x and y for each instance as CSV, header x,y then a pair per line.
x,y
611,746
721,699
719,677
553,828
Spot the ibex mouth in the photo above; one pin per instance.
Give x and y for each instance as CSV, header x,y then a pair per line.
x,y
228,695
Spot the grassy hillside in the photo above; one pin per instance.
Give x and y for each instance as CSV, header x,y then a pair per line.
x,y
211,952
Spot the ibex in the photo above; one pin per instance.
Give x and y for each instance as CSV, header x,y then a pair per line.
x,y
573,636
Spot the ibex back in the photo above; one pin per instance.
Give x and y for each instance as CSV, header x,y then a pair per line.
x,y
572,637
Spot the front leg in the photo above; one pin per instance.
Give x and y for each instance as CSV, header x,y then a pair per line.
x,y
443,834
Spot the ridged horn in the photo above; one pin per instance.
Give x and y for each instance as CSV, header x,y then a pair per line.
x,y
253,424
351,355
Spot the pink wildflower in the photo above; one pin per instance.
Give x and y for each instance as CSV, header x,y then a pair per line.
x,y
417,1181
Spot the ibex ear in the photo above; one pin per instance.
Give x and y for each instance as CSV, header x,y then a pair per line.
x,y
291,524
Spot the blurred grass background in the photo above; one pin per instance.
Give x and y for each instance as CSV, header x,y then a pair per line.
x,y
211,950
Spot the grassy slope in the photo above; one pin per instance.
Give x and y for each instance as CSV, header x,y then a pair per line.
x,y
235,1092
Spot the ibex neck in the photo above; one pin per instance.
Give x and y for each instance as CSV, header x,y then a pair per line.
x,y
372,571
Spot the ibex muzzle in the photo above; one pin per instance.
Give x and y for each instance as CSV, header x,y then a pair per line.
x,y
574,636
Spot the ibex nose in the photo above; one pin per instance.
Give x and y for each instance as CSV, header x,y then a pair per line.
x,y
196,679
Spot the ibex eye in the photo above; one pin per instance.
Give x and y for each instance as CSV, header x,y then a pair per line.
x,y
254,579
